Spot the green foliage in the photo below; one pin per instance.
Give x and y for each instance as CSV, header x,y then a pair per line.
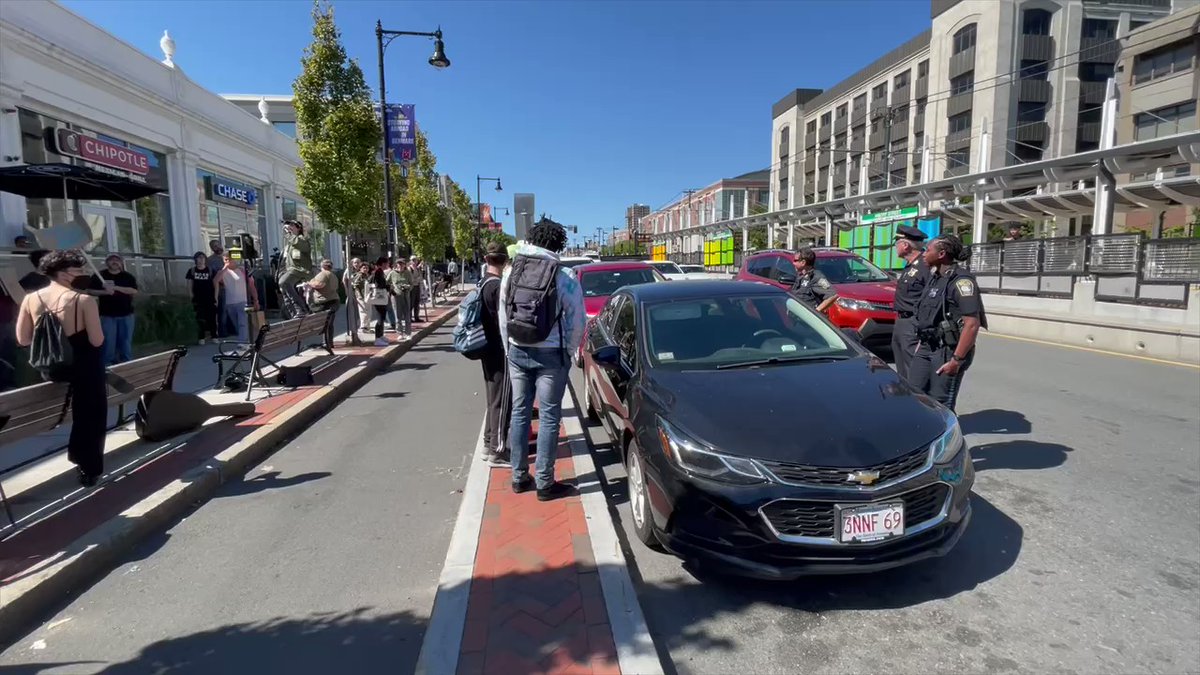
x,y
624,248
163,321
420,207
462,223
756,239
487,236
338,133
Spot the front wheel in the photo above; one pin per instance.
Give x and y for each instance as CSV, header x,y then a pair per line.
x,y
639,499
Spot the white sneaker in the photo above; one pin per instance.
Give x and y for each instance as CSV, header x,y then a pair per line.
x,y
382,343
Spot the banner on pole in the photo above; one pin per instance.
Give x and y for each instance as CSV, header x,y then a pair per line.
x,y
402,136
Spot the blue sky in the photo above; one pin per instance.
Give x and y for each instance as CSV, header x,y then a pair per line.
x,y
590,105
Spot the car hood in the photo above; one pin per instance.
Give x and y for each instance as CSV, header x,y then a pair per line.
x,y
843,413
593,305
871,291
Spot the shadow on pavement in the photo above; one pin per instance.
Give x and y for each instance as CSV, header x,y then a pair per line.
x,y
433,348
402,365
267,481
1024,455
995,421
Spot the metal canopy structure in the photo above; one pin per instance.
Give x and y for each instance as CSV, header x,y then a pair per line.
x,y
1076,170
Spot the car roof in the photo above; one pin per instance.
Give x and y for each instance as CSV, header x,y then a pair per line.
x,y
698,289
820,251
613,266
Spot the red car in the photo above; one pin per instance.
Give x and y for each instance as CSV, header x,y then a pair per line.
x,y
865,292
600,280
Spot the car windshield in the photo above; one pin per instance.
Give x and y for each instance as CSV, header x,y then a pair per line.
x,y
666,267
689,269
844,269
601,283
709,333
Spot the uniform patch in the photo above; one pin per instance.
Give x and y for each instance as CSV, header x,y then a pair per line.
x,y
965,287
823,283
912,272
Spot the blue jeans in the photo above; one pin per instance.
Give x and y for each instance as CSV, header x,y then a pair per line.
x,y
118,338
235,318
542,372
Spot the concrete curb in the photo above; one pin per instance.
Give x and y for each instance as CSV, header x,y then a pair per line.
x,y
24,600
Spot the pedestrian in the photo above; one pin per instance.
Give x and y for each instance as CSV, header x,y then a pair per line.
x,y
295,266
216,263
811,286
79,315
452,270
399,280
348,274
418,279
234,288
495,366
116,289
204,296
948,319
1015,232
358,284
910,243
324,287
379,298
541,324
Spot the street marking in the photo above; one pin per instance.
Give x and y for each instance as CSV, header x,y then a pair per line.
x,y
443,638
635,647
1097,351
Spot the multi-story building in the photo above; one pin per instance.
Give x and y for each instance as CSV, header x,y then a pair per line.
x,y
1032,74
278,110
725,199
633,216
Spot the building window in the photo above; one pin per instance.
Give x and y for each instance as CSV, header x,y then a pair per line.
x,y
918,146
285,128
1097,72
839,141
960,123
811,127
825,119
1174,119
1035,22
962,84
784,143
921,102
858,133
901,80
1134,25
841,111
860,102
958,159
964,39
1100,28
923,69
1163,62
1031,112
1033,69
879,93
1027,152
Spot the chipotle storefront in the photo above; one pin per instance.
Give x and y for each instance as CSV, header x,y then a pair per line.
x,y
141,226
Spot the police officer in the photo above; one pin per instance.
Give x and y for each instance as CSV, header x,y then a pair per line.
x,y
909,244
949,316
811,286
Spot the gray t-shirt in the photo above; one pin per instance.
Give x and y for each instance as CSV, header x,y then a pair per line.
x,y
234,281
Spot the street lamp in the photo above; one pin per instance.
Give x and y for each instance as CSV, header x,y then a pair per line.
x,y
479,211
437,60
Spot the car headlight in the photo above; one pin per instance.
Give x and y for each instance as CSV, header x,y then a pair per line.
x,y
696,459
854,305
950,443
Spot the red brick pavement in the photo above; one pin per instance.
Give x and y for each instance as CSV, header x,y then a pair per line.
x,y
535,604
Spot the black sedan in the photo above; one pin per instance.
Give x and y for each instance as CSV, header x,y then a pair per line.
x,y
762,440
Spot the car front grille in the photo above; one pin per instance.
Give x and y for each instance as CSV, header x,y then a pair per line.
x,y
893,469
803,518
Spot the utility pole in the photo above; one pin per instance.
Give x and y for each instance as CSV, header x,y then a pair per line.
x,y
888,115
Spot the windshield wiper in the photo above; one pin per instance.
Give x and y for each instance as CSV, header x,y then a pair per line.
x,y
782,359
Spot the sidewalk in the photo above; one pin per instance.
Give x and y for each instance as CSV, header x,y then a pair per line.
x,y
80,531
537,587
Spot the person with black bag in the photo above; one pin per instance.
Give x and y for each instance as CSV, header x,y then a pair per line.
x,y
61,325
541,324
495,366
949,316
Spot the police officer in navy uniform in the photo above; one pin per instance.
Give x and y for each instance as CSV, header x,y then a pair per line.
x,y
910,243
811,286
948,320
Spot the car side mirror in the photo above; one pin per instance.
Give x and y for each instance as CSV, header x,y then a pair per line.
x,y
608,356
788,279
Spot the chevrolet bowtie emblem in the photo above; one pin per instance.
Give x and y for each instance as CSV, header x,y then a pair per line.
x,y
862,477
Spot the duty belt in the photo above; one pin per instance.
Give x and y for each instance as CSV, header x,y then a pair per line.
x,y
905,315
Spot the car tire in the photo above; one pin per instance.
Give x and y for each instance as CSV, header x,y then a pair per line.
x,y
639,499
592,414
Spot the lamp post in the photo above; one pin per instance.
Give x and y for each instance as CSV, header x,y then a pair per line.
x,y
479,213
437,60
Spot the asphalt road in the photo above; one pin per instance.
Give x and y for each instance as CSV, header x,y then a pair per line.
x,y
1083,554
325,558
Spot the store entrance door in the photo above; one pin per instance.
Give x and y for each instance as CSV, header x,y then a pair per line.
x,y
113,229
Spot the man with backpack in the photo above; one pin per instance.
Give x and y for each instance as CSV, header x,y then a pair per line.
x,y
541,324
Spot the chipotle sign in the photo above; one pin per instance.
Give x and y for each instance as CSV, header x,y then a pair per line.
x,y
96,151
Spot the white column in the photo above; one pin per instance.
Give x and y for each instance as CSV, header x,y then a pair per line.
x,y
185,203
979,226
745,238
1106,183
771,235
829,171
926,173
864,182
12,207
791,239
829,232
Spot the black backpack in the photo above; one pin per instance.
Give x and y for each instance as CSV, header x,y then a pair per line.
x,y
51,353
532,298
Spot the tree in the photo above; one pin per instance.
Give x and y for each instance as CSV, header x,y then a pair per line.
x,y
505,239
462,223
420,207
337,132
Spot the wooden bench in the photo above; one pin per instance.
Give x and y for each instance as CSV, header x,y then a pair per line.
x,y
248,359
40,408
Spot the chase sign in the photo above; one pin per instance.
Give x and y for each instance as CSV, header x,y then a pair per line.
x,y
229,192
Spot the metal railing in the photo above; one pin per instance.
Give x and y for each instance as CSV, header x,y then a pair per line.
x,y
156,275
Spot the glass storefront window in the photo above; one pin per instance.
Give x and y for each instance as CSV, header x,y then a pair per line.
x,y
224,220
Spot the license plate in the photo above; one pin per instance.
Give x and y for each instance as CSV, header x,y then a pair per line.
x,y
870,522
